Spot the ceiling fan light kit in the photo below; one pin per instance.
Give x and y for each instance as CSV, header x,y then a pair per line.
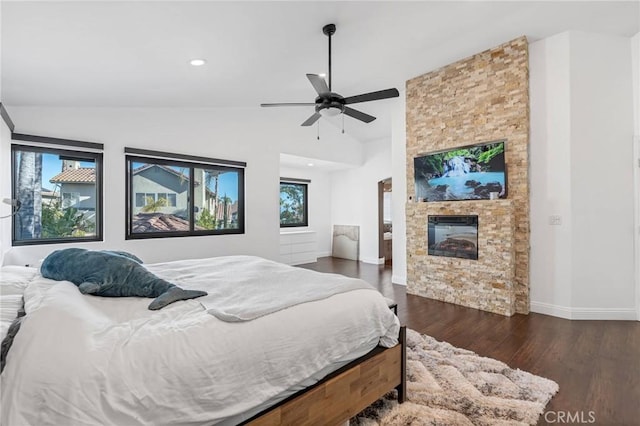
x,y
330,103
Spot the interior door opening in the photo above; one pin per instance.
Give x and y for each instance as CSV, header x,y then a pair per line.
x,y
385,225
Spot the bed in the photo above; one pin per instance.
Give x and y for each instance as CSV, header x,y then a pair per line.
x,y
84,360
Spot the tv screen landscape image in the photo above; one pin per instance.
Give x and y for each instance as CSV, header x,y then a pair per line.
x,y
471,172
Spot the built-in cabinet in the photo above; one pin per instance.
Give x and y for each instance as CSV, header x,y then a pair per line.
x,y
298,247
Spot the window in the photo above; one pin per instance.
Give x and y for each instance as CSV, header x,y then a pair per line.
x,y
70,199
60,194
140,199
293,203
170,198
173,197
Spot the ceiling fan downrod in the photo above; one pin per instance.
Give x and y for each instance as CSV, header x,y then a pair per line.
x,y
329,30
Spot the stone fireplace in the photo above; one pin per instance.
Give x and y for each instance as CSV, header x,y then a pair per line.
x,y
487,283
453,236
479,99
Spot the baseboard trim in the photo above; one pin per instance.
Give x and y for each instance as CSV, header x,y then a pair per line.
x,y
549,309
399,279
373,261
324,254
615,314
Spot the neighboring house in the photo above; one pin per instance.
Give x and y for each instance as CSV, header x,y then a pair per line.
x,y
227,210
77,187
152,182
48,196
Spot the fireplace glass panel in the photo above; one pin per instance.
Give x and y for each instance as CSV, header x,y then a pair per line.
x,y
453,236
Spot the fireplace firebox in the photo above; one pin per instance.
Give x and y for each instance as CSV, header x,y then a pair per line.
x,y
453,236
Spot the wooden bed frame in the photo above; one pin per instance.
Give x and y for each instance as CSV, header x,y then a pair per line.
x,y
345,392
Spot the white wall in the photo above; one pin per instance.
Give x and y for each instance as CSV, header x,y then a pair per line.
x,y
354,196
399,167
5,187
581,133
550,173
602,177
635,69
219,133
319,205
635,66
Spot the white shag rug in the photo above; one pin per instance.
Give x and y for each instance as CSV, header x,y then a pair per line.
x,y
452,386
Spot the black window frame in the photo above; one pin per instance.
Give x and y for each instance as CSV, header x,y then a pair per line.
x,y
305,185
139,156
96,157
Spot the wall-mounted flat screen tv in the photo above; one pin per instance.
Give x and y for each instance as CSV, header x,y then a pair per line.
x,y
474,172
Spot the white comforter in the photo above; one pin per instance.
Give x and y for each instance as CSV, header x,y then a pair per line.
x,y
81,360
243,288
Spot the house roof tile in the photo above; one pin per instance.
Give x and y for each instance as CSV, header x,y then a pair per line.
x,y
80,175
159,222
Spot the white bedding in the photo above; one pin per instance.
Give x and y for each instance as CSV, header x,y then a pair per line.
x,y
243,288
81,360
13,281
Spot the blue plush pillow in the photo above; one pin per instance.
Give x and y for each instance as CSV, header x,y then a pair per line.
x,y
112,274
125,254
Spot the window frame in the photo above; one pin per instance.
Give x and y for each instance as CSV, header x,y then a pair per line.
x,y
97,157
305,184
137,156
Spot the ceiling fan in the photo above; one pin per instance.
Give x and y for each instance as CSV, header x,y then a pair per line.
x,y
332,102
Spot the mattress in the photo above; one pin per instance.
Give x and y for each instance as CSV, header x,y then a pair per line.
x,y
84,360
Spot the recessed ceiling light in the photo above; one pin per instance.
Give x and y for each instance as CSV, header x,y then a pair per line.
x,y
323,75
310,164
197,62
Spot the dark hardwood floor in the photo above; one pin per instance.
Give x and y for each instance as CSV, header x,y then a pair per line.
x,y
595,363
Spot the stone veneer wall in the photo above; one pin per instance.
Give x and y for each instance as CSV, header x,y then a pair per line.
x,y
487,283
479,99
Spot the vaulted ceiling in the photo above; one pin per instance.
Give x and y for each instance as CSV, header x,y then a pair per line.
x,y
136,54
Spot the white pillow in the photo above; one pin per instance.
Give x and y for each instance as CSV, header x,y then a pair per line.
x,y
13,281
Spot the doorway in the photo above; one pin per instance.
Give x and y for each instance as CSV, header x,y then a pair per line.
x,y
385,226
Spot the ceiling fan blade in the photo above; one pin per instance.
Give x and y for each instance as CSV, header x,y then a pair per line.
x,y
286,104
359,115
318,83
373,96
309,121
